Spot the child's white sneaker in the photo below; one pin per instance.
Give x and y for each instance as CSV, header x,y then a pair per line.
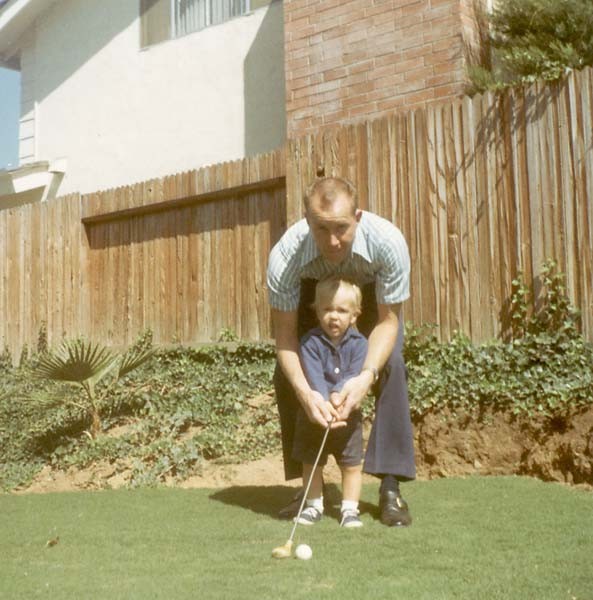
x,y
309,516
350,518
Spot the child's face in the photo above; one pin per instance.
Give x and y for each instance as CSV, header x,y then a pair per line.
x,y
336,313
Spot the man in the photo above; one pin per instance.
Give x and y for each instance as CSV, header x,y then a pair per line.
x,y
336,237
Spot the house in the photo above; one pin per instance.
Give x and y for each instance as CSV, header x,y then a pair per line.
x,y
125,91
118,92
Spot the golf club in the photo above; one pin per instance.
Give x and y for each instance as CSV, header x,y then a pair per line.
x,y
285,550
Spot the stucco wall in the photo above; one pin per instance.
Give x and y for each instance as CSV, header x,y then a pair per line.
x,y
120,114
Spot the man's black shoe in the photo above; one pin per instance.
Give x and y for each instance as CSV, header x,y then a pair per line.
x,y
394,509
292,508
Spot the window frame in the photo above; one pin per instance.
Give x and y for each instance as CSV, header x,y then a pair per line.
x,y
160,20
174,24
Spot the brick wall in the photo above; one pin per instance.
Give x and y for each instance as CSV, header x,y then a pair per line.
x,y
351,59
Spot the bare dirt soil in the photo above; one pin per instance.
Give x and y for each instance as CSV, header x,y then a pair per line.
x,y
552,449
447,445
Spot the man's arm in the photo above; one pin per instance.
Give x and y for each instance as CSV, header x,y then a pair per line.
x,y
381,343
287,351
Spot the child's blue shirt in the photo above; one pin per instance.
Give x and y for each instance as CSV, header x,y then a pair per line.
x,y
328,367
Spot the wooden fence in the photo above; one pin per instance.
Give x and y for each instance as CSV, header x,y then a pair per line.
x,y
184,256
483,189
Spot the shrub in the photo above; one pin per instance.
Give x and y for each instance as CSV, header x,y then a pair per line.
x,y
525,40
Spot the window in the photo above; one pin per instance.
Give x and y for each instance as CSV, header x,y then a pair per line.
x,y
167,19
193,15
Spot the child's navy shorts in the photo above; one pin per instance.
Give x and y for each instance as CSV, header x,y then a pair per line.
x,y
345,443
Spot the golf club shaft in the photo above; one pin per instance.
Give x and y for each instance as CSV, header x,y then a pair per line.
x,y
306,491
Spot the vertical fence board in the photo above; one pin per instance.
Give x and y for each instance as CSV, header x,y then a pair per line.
x,y
183,269
468,120
452,218
524,189
409,227
426,192
260,241
507,214
66,257
546,176
566,187
536,198
241,273
462,322
4,338
441,208
587,270
14,279
207,273
581,117
194,269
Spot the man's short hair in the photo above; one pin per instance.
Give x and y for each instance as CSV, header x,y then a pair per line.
x,y
327,288
327,189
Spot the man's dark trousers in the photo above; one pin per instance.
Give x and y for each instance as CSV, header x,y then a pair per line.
x,y
390,448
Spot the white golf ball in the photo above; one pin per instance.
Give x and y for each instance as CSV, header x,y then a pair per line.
x,y
303,551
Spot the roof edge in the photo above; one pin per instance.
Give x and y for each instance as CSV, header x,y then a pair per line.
x,y
16,17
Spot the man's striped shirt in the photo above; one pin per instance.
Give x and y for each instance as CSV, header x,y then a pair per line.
x,y
379,254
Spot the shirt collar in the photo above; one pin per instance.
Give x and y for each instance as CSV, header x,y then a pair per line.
x,y
350,332
359,246
310,251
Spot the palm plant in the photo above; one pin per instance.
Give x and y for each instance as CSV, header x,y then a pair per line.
x,y
85,363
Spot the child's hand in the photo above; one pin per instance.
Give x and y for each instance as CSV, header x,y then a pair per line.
x,y
353,393
319,411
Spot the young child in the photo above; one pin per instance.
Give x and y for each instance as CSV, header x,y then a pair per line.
x,y
330,355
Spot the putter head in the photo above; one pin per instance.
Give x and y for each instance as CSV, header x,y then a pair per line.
x,y
284,551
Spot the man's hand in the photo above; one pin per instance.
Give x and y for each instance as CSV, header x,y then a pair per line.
x,y
336,399
352,394
321,412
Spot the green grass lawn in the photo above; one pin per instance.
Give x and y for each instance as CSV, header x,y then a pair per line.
x,y
478,538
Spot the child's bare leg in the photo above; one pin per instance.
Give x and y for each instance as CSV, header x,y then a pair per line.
x,y
351,482
316,489
314,504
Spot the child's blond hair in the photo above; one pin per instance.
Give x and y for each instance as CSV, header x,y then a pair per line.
x,y
327,288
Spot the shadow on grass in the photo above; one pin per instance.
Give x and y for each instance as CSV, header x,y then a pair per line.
x,y
268,500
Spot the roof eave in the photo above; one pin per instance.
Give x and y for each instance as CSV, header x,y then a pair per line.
x,y
16,17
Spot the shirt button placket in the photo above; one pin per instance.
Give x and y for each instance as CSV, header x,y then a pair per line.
x,y
336,362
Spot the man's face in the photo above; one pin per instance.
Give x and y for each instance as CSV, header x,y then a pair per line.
x,y
333,227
